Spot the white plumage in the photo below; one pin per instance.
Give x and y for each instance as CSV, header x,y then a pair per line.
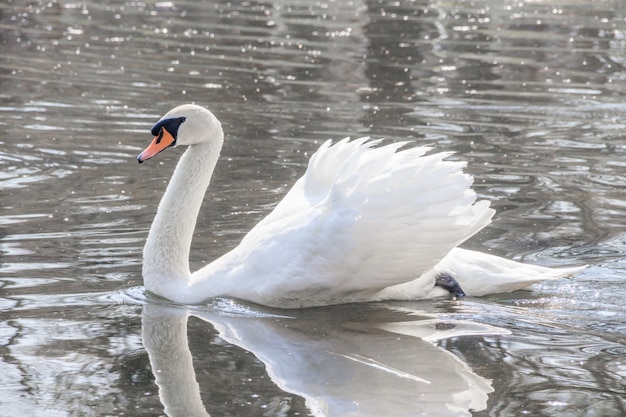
x,y
365,222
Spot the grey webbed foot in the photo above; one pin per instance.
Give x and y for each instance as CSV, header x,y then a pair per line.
x,y
447,282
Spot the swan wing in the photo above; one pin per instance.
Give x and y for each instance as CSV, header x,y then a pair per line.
x,y
363,217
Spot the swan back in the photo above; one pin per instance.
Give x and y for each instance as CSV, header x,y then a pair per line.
x,y
363,217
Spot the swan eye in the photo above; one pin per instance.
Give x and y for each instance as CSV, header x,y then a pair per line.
x,y
159,136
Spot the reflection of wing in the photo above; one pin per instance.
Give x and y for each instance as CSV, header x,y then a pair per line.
x,y
340,367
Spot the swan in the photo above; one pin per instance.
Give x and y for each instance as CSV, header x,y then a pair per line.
x,y
366,222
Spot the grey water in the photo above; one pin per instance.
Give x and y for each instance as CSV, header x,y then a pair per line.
x,y
531,93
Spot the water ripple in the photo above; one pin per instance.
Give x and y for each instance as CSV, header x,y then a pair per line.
x,y
529,93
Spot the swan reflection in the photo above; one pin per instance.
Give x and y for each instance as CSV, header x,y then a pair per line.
x,y
374,360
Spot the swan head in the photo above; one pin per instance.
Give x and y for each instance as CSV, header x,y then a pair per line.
x,y
188,124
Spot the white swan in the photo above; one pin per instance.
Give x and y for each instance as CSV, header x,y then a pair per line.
x,y
364,223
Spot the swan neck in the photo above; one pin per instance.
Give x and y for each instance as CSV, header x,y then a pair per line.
x,y
166,254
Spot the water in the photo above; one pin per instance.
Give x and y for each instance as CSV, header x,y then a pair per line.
x,y
530,93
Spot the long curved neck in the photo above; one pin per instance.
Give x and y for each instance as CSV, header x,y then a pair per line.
x,y
166,254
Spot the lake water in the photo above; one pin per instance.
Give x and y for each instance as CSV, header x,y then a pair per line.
x,y
531,93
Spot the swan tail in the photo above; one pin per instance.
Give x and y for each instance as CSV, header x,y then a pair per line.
x,y
480,274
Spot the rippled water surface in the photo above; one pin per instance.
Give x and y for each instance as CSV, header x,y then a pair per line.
x,y
531,93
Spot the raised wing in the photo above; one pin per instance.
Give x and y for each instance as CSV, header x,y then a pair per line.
x,y
363,217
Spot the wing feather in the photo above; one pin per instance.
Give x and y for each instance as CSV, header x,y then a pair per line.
x,y
363,217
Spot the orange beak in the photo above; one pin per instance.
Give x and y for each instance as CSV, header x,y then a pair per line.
x,y
161,142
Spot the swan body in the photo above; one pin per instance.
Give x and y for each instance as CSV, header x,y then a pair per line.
x,y
364,223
